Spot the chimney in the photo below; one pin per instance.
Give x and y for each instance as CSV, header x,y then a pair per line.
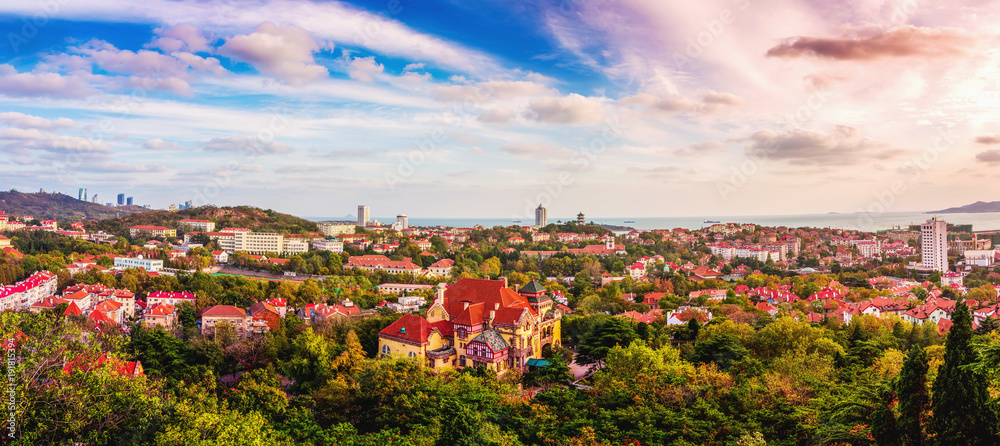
x,y
516,287
504,279
439,294
465,305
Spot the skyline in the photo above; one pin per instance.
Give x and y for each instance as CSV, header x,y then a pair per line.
x,y
632,108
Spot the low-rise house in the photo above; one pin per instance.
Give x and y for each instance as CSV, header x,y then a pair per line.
x,y
111,309
400,288
164,297
712,295
164,315
225,314
264,311
441,268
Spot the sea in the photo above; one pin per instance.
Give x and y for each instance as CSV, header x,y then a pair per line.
x,y
868,222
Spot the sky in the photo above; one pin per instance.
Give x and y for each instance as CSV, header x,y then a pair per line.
x,y
635,108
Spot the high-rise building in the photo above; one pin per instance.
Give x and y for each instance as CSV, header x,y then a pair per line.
x,y
541,216
129,201
121,199
364,215
402,222
83,194
187,204
934,245
580,219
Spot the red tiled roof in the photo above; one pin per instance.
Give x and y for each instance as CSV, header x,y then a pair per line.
x,y
224,311
101,318
492,293
160,310
410,327
72,309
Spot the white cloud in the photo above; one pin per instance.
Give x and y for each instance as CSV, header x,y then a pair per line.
x,y
570,109
181,37
497,115
364,69
246,145
28,121
414,66
56,85
535,150
116,167
159,144
283,52
33,139
491,90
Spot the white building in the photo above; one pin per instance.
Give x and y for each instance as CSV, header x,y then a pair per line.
x,y
333,229
27,292
138,262
980,257
402,222
934,244
198,225
294,246
364,215
328,245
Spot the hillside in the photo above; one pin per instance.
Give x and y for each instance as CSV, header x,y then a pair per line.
x,y
257,219
59,206
974,208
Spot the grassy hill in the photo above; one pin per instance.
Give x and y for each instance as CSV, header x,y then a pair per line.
x,y
59,206
256,219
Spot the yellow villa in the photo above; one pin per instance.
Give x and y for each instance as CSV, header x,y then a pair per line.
x,y
478,322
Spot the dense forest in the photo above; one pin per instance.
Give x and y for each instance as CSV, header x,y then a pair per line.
x,y
773,381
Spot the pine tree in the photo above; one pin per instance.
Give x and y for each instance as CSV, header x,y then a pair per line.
x,y
962,413
911,388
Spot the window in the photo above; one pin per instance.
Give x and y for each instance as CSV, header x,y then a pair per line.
x,y
385,350
461,360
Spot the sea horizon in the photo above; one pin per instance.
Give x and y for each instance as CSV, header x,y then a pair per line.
x,y
868,222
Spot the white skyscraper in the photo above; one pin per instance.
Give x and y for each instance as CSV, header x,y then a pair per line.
x,y
541,216
364,215
934,244
402,222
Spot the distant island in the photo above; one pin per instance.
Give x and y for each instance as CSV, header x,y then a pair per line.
x,y
974,208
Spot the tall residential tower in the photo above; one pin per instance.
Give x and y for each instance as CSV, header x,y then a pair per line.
x,y
541,216
364,215
934,244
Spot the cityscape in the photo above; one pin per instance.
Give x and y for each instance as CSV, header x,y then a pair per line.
x,y
554,223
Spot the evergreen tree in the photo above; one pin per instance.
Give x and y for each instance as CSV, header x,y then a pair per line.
x,y
911,387
962,413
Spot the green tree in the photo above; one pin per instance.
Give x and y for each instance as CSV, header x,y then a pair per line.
x,y
962,410
911,388
604,337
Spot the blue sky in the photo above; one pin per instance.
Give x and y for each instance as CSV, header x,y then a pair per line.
x,y
459,109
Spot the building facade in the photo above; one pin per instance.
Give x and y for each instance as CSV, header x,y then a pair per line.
x,y
198,225
364,215
478,322
150,265
541,216
934,245
151,231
